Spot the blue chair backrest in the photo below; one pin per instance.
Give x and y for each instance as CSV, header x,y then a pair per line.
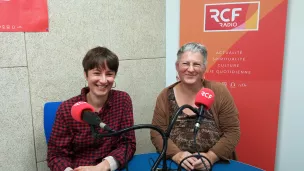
x,y
50,109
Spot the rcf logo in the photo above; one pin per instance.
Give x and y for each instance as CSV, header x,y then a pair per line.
x,y
234,12
236,16
79,103
207,95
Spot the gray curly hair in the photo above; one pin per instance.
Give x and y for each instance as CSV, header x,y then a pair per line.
x,y
193,47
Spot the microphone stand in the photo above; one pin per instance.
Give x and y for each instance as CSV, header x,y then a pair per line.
x,y
162,155
179,111
165,135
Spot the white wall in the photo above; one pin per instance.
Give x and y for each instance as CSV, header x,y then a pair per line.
x,y
290,147
291,123
172,38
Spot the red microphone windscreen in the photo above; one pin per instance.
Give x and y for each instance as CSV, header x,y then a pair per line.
x,y
204,97
78,108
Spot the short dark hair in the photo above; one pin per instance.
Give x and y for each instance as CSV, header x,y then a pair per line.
x,y
97,57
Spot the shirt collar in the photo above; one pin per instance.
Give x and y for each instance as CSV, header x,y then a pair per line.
x,y
109,101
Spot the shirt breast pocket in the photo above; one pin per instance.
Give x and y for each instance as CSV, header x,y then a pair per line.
x,y
82,138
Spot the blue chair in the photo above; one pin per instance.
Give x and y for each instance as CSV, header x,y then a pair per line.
x,y
50,109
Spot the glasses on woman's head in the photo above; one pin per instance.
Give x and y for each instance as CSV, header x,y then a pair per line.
x,y
195,65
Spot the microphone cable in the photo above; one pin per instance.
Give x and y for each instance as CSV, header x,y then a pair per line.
x,y
161,169
126,153
199,155
162,156
194,155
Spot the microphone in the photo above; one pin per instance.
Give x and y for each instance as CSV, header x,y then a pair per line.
x,y
203,100
84,112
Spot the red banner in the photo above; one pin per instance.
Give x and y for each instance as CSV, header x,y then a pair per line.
x,y
245,42
23,16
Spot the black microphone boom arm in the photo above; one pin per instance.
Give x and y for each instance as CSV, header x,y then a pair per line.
x,y
179,111
162,155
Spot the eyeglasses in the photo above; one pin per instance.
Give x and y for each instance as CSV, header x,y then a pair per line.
x,y
195,65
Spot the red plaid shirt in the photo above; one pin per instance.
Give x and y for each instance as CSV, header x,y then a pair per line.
x,y
71,143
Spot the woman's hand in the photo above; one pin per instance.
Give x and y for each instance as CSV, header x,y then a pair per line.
x,y
212,157
188,163
199,165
